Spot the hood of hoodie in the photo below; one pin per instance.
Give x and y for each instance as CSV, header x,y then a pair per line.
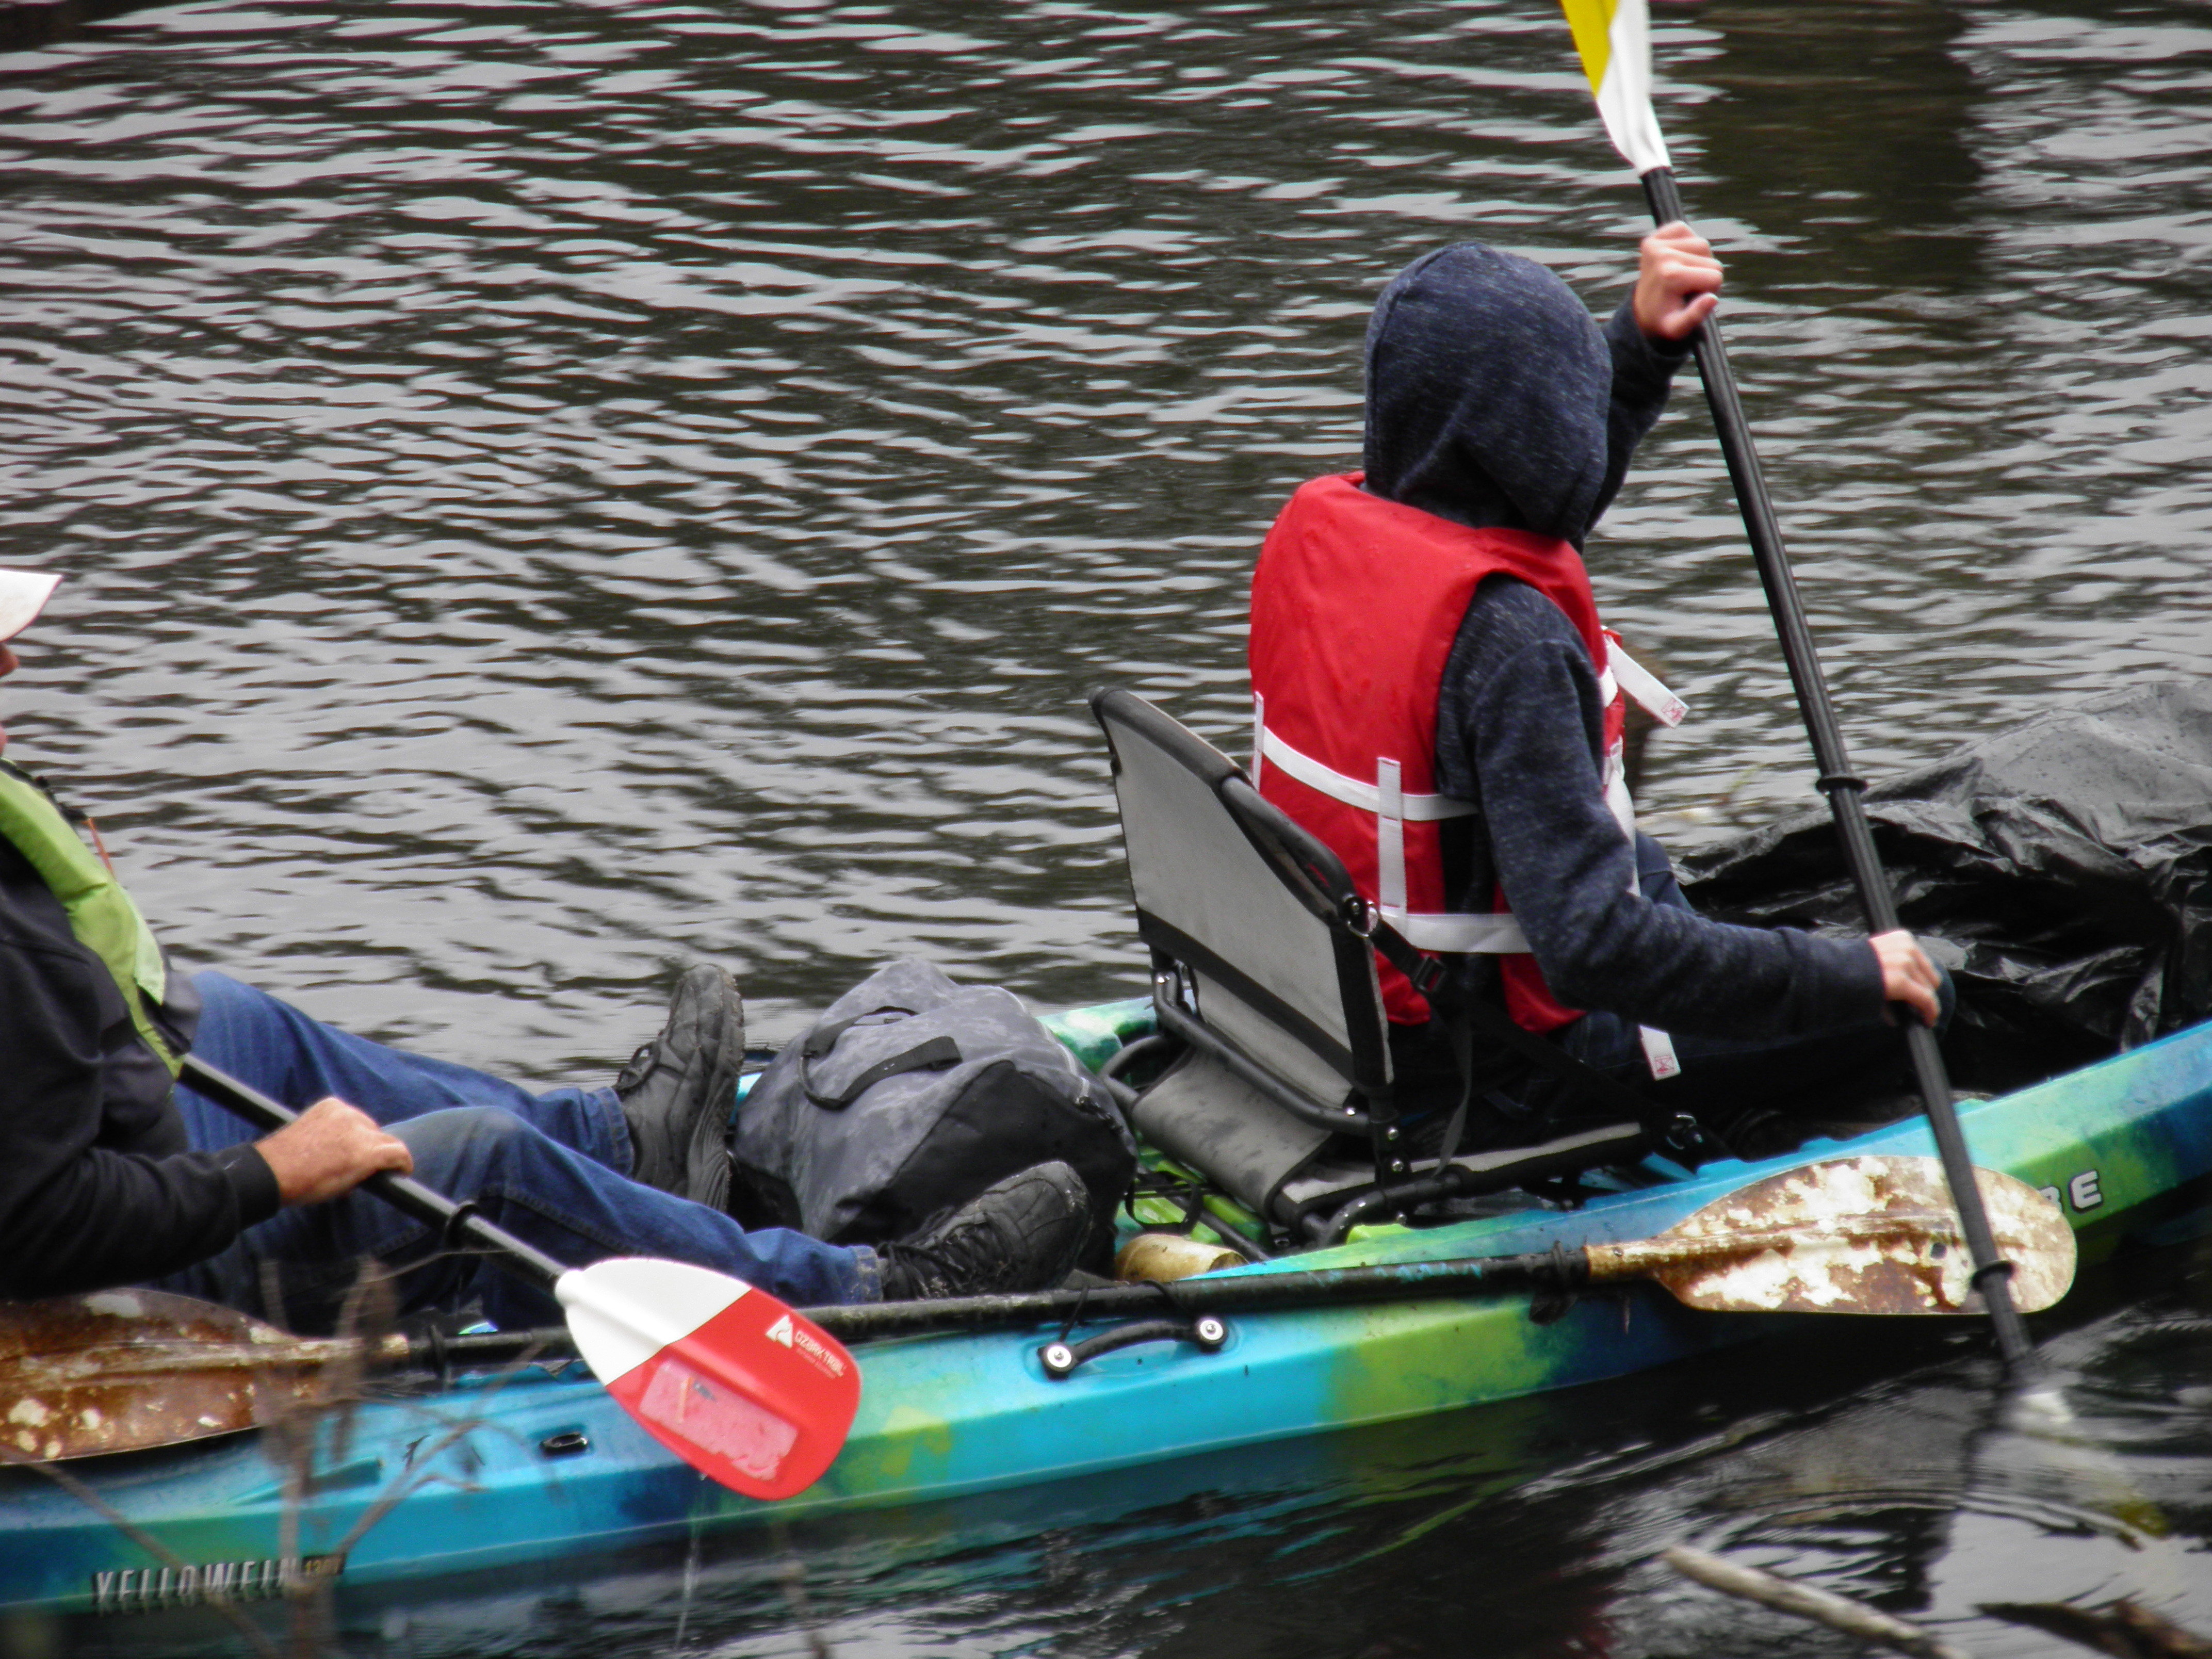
x,y
1488,385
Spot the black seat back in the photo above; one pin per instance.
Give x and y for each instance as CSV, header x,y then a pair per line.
x,y
1264,963
1255,909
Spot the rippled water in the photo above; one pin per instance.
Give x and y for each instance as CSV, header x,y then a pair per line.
x,y
550,491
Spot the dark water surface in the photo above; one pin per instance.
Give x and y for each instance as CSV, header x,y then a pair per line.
x,y
551,491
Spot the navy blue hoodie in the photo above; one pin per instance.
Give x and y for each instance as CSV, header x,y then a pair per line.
x,y
1494,399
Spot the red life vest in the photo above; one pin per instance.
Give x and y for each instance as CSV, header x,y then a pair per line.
x,y
1355,605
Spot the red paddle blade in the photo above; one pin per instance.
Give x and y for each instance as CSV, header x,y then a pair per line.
x,y
722,1373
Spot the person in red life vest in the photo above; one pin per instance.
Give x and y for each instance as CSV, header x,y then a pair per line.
x,y
111,1174
1435,696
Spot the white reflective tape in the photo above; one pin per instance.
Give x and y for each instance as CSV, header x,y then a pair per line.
x,y
1659,1053
1484,934
1259,735
1643,688
1390,838
1489,934
1615,775
1352,792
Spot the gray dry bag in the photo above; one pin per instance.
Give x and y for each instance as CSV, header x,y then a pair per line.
x,y
910,1095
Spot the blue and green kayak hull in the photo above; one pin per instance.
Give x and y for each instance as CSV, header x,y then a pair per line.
x,y
539,1464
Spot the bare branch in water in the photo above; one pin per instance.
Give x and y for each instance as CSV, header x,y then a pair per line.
x,y
2124,1628
1822,1608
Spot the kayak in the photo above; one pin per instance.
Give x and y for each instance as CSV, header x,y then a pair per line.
x,y
535,1463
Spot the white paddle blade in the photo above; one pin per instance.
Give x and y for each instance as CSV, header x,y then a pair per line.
x,y
722,1373
1614,39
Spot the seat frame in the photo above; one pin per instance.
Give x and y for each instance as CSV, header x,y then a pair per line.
x,y
1317,878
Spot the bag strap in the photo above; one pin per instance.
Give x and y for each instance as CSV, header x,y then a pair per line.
x,y
935,1055
1462,1043
823,1037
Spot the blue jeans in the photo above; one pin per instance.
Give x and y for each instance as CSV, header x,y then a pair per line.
x,y
552,1168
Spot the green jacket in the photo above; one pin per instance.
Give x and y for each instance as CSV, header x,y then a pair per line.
x,y
101,914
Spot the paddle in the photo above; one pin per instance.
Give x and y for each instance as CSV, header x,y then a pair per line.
x,y
719,1371
1613,38
128,1370
1857,1234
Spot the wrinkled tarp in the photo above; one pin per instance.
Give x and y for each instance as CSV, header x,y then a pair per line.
x,y
2062,870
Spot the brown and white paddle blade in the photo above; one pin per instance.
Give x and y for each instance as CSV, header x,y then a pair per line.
x,y
126,1370
1854,1235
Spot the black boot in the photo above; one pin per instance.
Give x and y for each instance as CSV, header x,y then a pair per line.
x,y
1022,1235
676,1091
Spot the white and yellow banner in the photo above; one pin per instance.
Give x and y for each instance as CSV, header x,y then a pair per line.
x,y
1614,38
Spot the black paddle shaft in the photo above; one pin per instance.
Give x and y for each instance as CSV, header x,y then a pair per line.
x,y
1559,1271
453,1221
1992,1273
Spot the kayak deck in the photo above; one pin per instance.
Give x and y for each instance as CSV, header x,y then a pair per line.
x,y
537,1462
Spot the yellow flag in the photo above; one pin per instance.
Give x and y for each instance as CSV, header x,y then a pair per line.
x,y
1614,38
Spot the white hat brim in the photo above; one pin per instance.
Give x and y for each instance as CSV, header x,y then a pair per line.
x,y
23,594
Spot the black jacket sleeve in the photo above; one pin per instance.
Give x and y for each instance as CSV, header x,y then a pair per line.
x,y
1642,371
1526,699
94,1190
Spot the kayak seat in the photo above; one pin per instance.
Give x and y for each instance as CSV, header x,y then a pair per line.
x,y
1263,967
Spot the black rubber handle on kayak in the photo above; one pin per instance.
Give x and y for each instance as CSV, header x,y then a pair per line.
x,y
1992,1273
453,1221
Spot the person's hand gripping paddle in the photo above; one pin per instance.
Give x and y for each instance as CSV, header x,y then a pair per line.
x,y
1613,38
731,1381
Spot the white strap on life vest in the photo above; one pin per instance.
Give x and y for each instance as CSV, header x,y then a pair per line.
x,y
1485,934
1623,674
1365,797
1492,933
1642,686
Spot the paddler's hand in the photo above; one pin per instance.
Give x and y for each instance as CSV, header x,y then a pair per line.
x,y
1907,977
1678,283
329,1149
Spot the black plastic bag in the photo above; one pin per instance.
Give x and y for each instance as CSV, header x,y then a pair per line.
x,y
2067,864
